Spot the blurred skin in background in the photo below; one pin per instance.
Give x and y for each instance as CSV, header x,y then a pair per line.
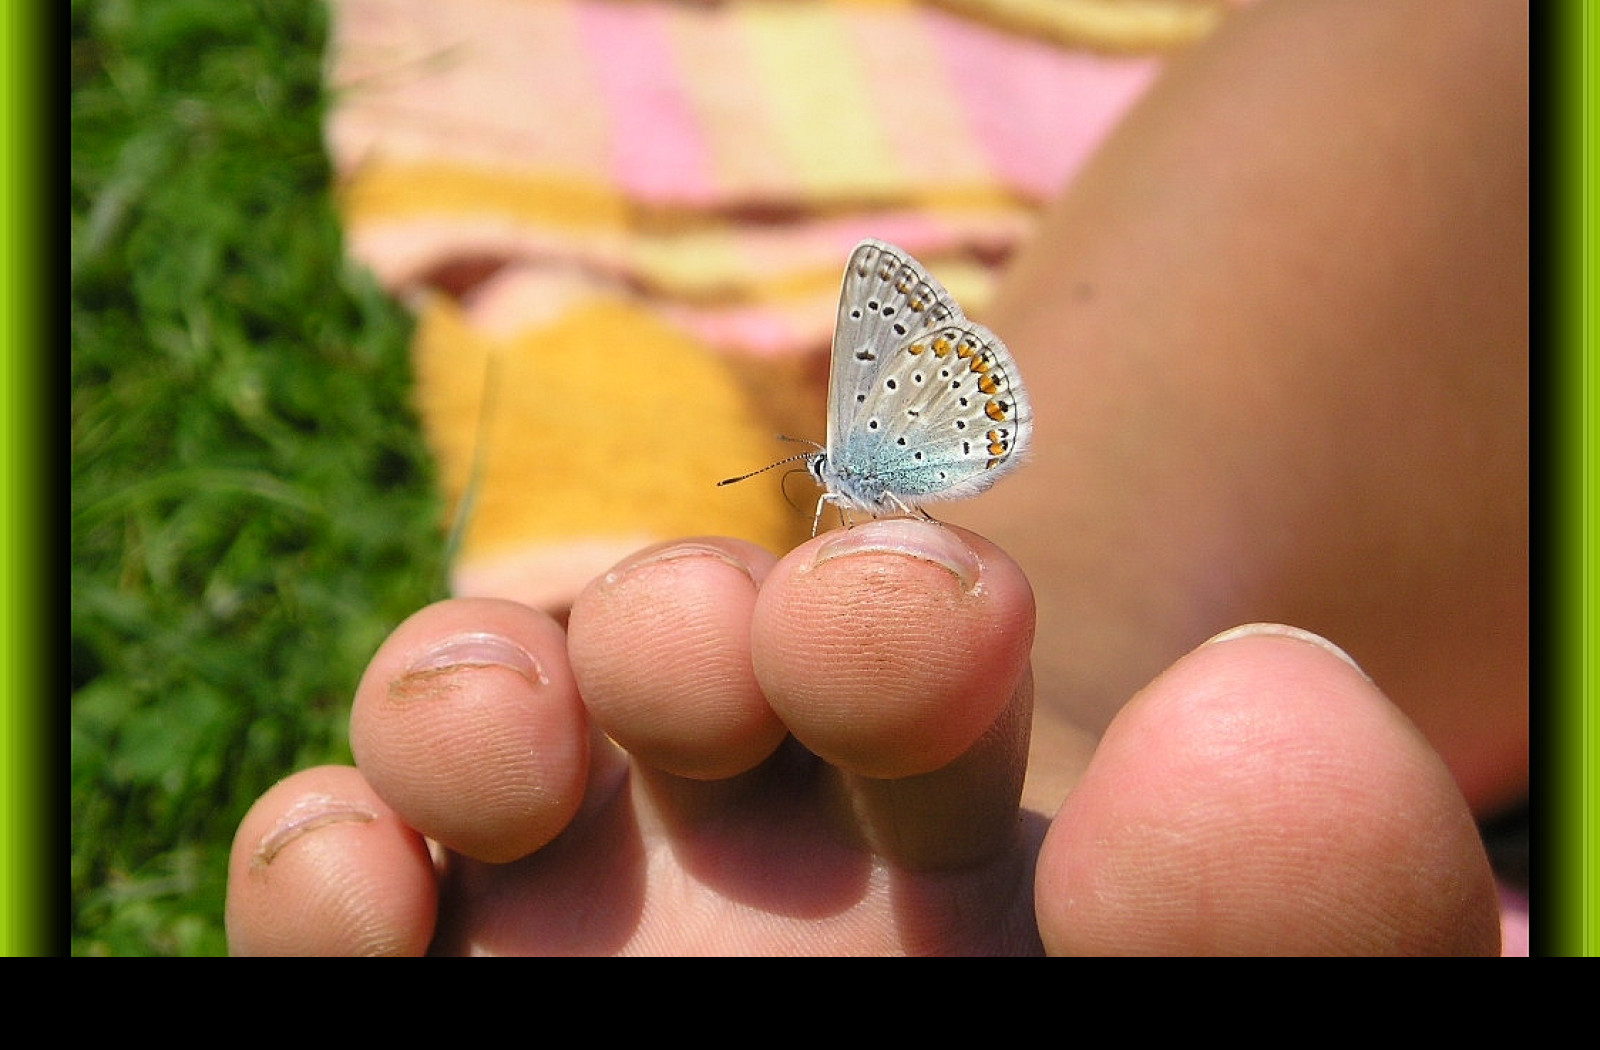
x,y
1282,324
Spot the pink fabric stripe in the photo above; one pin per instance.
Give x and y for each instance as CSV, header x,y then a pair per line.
x,y
1039,111
658,145
724,81
910,95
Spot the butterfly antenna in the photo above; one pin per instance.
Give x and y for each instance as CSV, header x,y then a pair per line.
x,y
787,459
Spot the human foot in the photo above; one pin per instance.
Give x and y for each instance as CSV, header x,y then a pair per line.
x,y
734,754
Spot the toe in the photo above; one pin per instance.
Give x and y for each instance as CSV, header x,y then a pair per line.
x,y
468,724
322,866
1263,797
660,646
890,648
897,651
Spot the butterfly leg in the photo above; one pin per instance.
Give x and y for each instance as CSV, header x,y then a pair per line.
x,y
816,522
911,510
840,504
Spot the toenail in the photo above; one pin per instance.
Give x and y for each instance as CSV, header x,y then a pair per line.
x,y
307,815
925,541
675,552
473,650
1279,630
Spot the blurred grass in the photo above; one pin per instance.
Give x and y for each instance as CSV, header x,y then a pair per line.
x,y
252,508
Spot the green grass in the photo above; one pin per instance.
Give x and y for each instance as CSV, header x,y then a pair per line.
x,y
252,507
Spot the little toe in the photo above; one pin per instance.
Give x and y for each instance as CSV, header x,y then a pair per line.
x,y
322,866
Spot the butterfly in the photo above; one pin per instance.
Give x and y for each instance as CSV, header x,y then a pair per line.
x,y
924,405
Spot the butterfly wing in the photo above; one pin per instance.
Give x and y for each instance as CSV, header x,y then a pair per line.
x,y
924,404
887,298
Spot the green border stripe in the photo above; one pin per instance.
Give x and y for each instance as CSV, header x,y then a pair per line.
x,y
21,913
1567,917
1588,870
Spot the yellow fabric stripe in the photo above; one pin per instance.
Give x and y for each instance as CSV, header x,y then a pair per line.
x,y
390,191
607,422
823,111
1122,26
384,193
